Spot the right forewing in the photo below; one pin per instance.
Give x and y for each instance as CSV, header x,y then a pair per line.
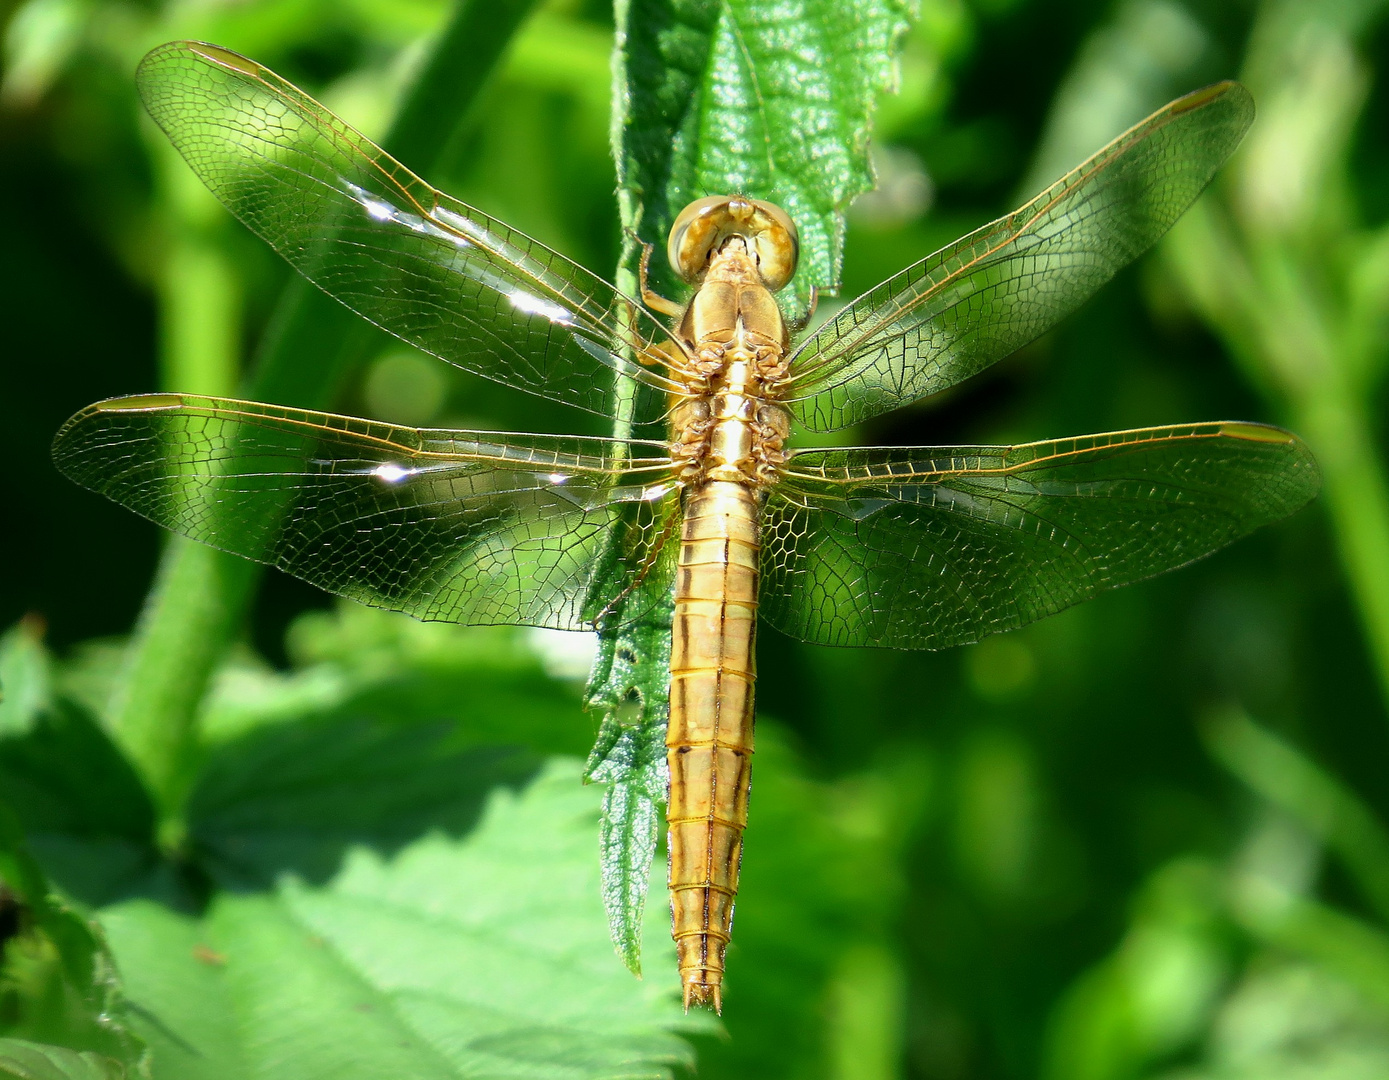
x,y
991,292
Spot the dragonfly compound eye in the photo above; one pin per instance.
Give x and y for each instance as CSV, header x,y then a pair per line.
x,y
706,223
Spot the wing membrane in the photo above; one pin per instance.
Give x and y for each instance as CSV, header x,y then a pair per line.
x,y
929,548
469,527
362,227
991,292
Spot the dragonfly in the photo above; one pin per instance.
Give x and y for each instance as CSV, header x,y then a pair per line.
x,y
702,502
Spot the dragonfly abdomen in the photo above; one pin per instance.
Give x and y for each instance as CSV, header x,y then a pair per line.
x,y
709,740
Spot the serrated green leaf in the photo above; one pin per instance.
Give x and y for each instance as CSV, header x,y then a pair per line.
x,y
720,96
630,683
762,97
479,956
38,1061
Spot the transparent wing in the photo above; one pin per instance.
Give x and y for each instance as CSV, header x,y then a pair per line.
x,y
367,231
928,548
991,292
469,527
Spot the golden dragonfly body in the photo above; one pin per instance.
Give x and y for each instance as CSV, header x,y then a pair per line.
x,y
889,546
729,433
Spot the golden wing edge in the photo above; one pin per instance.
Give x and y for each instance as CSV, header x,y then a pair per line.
x,y
367,430
1244,430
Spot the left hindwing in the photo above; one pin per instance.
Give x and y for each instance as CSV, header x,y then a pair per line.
x,y
468,527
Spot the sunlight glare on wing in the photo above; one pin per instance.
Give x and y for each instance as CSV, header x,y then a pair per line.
x,y
377,209
534,305
557,477
654,492
463,224
390,472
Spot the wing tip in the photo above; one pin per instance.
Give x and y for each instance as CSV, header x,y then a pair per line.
x,y
1197,99
215,54
139,403
202,50
1303,461
1251,432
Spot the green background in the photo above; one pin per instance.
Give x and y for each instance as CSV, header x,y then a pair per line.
x,y
1141,838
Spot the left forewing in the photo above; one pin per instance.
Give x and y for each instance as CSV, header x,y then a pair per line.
x,y
934,547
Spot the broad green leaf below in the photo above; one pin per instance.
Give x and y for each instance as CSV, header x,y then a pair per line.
x,y
25,1060
82,810
484,955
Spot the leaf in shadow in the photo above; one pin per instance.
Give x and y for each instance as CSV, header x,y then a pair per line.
x,y
294,797
84,813
397,730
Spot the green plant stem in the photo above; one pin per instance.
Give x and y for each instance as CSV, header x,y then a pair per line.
x,y
1357,497
1279,772
188,617
1259,298
200,595
199,297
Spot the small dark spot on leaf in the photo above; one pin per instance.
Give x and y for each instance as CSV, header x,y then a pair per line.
x,y
205,954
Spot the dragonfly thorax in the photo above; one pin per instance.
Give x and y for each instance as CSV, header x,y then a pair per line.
x,y
730,427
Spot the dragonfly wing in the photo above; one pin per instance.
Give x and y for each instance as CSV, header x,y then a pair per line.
x,y
991,292
363,228
932,547
469,527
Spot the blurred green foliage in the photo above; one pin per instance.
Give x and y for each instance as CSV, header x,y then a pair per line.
x,y
1141,839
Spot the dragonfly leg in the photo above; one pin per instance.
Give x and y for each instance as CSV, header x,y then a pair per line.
x,y
799,323
654,300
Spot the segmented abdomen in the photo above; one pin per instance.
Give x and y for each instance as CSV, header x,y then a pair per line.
x,y
709,741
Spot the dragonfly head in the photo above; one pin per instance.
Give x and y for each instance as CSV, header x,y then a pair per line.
x,y
707,224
